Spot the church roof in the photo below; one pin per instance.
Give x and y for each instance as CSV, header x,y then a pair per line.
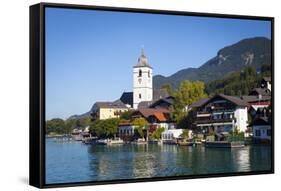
x,y
127,98
115,104
142,61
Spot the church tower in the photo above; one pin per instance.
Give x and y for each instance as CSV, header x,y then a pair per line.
x,y
142,77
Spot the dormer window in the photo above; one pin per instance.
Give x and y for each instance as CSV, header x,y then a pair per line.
x,y
140,73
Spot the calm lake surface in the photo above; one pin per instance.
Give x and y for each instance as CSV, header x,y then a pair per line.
x,y
77,162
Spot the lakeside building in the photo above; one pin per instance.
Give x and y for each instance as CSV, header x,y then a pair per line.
x,y
107,110
156,117
256,103
264,89
220,114
259,98
261,129
126,131
159,118
171,135
261,125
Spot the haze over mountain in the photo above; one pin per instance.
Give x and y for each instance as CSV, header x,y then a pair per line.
x,y
247,52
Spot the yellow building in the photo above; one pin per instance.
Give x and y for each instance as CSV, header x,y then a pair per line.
x,y
107,110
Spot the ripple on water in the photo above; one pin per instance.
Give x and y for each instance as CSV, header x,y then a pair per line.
x,y
76,162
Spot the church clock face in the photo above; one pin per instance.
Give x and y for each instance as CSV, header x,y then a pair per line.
x,y
139,80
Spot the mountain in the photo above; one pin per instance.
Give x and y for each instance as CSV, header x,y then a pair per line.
x,y
75,117
248,52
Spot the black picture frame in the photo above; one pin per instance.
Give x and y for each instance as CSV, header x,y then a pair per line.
x,y
37,93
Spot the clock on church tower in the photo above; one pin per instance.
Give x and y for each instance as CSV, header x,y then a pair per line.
x,y
142,81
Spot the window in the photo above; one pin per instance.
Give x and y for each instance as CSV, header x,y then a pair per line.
x,y
268,132
139,96
140,73
148,73
258,133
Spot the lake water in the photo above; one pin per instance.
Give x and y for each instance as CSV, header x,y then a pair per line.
x,y
77,162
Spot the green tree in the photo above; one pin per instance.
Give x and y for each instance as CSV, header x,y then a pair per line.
x,y
187,93
239,83
57,126
84,122
70,124
141,125
126,115
156,135
236,135
107,128
168,88
185,134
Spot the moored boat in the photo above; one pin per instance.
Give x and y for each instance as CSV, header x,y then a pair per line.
x,y
225,144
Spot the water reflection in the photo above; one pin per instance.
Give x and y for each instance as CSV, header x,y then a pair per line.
x,y
240,159
75,162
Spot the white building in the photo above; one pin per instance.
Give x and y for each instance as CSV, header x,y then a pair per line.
x,y
221,113
126,130
261,129
142,81
171,134
241,116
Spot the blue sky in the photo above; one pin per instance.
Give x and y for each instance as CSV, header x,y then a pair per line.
x,y
90,54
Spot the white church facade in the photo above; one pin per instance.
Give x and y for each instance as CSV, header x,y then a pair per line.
x,y
142,81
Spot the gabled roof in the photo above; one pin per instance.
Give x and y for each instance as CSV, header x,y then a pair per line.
x,y
199,103
255,98
168,100
260,121
146,112
127,98
260,91
235,100
161,115
115,104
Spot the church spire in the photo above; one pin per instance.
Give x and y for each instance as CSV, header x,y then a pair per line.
x,y
142,60
142,51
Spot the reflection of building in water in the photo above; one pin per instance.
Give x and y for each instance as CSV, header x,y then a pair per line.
x,y
241,159
106,161
154,160
144,162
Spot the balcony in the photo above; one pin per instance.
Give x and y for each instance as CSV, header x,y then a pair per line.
x,y
212,121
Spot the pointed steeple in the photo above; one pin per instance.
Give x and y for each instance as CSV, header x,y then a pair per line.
x,y
142,51
142,60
